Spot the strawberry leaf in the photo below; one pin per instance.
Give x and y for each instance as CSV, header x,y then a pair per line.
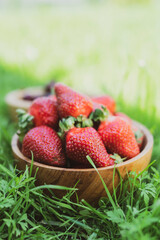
x,y
25,123
117,158
99,114
65,124
82,122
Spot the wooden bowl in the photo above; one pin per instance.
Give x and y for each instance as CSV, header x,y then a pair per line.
x,y
89,186
15,100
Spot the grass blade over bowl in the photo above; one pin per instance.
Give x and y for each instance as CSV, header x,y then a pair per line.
x,y
105,187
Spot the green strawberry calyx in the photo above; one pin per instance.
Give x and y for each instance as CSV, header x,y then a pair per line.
x,y
25,123
117,158
99,114
70,122
82,122
66,123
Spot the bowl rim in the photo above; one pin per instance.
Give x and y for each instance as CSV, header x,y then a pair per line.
x,y
14,98
148,146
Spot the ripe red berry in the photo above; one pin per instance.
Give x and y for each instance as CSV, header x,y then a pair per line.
x,y
44,111
118,137
124,117
45,145
81,142
139,135
71,103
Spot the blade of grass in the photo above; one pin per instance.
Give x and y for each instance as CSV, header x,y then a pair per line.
x,y
105,187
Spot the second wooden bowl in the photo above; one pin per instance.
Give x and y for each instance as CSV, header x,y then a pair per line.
x,y
14,99
89,185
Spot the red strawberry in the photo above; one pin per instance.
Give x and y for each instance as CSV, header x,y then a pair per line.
x,y
139,135
124,117
71,103
45,145
107,101
118,137
81,142
44,111
52,97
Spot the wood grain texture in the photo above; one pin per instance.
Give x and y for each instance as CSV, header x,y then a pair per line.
x,y
14,100
89,186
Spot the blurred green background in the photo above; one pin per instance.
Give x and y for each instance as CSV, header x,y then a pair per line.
x,y
95,46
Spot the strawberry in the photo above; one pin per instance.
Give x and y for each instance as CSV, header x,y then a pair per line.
x,y
45,145
107,101
44,111
118,137
52,97
71,103
81,142
124,117
137,132
139,135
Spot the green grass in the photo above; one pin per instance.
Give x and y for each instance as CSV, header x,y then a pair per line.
x,y
97,49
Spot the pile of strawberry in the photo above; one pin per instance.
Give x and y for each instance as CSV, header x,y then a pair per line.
x,y
63,129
